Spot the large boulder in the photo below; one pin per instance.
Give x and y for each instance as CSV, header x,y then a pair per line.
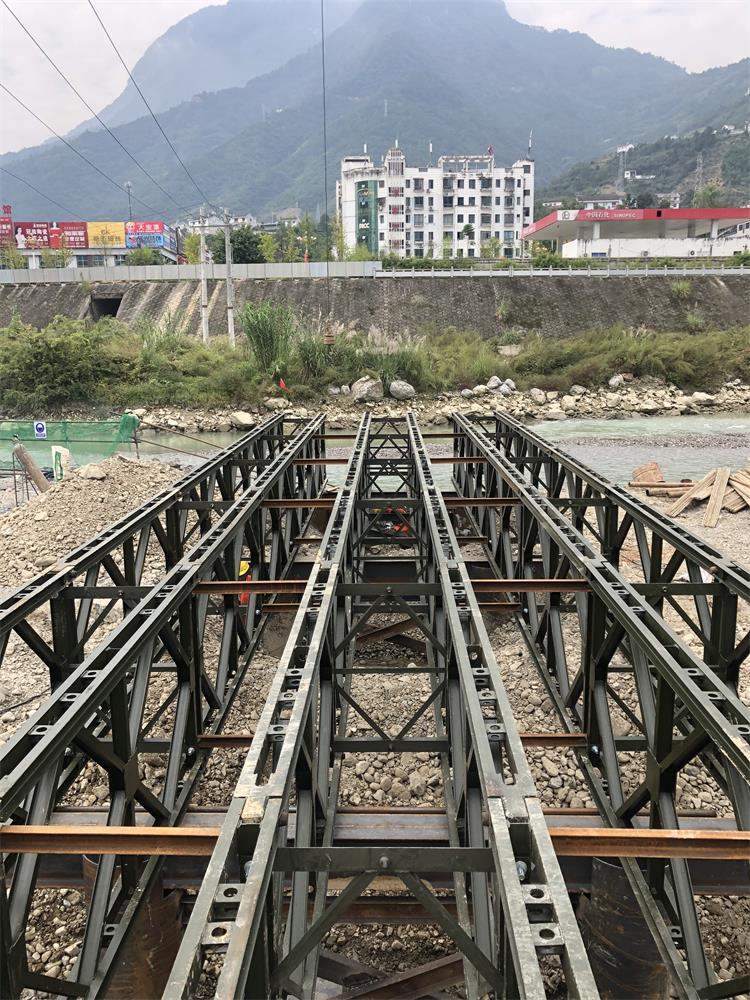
x,y
481,390
504,389
511,384
494,383
467,393
616,382
242,419
334,390
367,389
399,389
538,395
577,390
276,403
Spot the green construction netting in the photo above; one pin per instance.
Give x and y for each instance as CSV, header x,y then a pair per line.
x,y
87,440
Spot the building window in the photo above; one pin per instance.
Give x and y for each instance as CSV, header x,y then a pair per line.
x,y
498,182
519,183
459,201
498,201
431,184
497,219
447,220
419,202
518,201
381,184
486,219
472,183
430,219
472,218
408,183
526,213
508,236
418,184
460,183
418,219
381,237
526,193
93,260
472,201
448,202
471,251
486,182
418,252
419,236
430,202
486,202
459,219
120,258
527,168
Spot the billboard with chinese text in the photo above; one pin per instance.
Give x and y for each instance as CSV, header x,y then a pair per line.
x,y
31,235
73,235
106,234
6,229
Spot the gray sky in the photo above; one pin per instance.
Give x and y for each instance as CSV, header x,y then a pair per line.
x,y
696,34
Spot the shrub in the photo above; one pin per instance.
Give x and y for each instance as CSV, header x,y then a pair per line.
x,y
503,311
681,289
694,319
269,328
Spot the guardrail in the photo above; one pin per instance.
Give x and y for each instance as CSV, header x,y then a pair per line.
x,y
188,272
335,269
541,272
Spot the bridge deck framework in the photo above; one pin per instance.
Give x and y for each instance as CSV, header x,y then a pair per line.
x,y
284,862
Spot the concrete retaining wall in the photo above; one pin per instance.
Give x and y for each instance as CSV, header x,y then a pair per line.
x,y
554,305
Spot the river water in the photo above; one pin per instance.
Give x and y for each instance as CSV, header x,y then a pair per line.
x,y
684,447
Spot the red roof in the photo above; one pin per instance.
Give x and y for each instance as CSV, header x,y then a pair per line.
x,y
565,222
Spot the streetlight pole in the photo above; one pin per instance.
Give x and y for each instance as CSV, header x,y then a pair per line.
x,y
204,283
230,282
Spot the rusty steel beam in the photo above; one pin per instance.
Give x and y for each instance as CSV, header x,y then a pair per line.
x,y
221,588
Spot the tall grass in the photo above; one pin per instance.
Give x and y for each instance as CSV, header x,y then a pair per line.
x,y
270,328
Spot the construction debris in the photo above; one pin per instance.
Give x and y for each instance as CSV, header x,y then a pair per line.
x,y
724,490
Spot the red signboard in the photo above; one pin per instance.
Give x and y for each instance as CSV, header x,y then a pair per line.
x,y
72,235
6,229
31,235
608,214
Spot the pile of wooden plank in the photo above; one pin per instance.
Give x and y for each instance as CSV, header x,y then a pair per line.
x,y
724,490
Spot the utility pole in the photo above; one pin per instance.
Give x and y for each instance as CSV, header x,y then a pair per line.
x,y
204,282
230,282
129,188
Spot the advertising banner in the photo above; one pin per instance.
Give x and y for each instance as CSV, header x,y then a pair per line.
x,y
72,235
6,229
31,235
144,234
106,234
367,215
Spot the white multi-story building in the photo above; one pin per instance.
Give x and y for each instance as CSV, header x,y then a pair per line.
x,y
450,210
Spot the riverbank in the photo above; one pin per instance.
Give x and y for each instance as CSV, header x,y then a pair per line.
x,y
639,397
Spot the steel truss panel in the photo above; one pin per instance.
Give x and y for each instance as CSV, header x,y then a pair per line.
x,y
99,712
116,557
686,707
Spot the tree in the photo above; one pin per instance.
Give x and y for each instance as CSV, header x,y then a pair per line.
x,y
644,200
309,237
337,237
491,248
11,256
143,256
360,252
289,244
269,247
245,246
710,196
191,246
468,231
447,247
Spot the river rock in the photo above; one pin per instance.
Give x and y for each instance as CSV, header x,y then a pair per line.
x,y
555,413
503,390
367,389
467,393
276,403
511,384
701,399
481,390
334,390
399,389
568,403
92,472
616,382
577,390
345,390
538,395
242,419
494,383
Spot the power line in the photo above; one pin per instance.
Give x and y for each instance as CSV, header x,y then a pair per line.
x,y
42,194
86,104
148,106
78,153
325,156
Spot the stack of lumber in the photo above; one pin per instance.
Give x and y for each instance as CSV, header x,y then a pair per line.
x,y
724,490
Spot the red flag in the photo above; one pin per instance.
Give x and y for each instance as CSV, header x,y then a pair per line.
x,y
282,384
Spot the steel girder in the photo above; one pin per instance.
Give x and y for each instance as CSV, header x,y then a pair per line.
x,y
512,907
108,708
111,565
571,522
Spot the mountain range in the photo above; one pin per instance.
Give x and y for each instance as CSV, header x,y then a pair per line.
x,y
460,75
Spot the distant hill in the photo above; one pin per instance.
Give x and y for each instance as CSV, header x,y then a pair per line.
x,y
220,47
580,99
672,161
